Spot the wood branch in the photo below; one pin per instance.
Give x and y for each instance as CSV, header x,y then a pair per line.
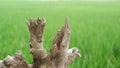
x,y
60,38
36,28
58,57
16,61
72,54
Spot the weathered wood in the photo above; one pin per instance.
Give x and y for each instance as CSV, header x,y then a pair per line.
x,y
58,57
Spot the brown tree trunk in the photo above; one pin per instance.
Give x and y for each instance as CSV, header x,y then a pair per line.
x,y
58,57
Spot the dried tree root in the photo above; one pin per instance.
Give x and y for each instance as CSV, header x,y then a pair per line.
x,y
58,57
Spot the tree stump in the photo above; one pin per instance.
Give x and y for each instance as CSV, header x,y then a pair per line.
x,y
59,55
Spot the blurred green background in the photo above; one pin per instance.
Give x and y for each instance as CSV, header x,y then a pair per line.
x,y
95,29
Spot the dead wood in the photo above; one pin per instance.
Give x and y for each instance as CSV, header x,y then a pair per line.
x,y
59,55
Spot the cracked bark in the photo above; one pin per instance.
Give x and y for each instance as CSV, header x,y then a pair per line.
x,y
59,55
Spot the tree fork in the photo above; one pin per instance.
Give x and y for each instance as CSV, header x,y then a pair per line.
x,y
59,55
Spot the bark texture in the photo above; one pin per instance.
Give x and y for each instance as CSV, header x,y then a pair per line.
x,y
59,55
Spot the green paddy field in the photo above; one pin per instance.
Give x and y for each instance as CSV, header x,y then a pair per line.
x,y
95,29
